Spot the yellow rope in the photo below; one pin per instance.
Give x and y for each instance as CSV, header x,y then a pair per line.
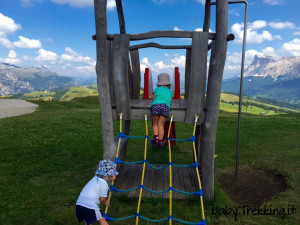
x,y
143,174
117,155
170,170
197,171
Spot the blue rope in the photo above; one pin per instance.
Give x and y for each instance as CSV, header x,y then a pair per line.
x,y
118,219
157,168
190,223
156,192
112,188
153,221
182,140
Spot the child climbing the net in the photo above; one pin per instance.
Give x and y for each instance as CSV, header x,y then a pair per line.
x,y
160,107
94,192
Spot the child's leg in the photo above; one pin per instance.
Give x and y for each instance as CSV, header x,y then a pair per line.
x,y
155,120
161,127
103,221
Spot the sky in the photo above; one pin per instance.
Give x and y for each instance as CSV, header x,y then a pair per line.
x,y
57,34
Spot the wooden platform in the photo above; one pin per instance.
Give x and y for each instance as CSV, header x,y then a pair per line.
x,y
184,179
139,107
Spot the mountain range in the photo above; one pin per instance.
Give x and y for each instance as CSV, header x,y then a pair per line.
x,y
270,77
16,79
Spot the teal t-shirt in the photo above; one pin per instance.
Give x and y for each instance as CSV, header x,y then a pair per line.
x,y
163,95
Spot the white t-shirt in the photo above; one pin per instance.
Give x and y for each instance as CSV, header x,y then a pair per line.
x,y
92,191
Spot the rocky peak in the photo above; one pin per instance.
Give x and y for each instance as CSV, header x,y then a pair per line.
x,y
286,67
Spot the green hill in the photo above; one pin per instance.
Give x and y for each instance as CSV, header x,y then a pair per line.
x,y
229,102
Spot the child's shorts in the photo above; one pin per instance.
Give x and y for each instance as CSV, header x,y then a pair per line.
x,y
160,110
89,215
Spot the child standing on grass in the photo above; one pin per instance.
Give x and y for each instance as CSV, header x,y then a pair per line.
x,y
94,192
160,107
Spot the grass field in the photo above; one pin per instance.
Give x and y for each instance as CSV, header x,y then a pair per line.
x,y
47,157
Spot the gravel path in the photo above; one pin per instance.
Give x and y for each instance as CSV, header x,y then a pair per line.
x,y
15,107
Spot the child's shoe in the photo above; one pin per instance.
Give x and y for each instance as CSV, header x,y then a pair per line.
x,y
160,142
155,139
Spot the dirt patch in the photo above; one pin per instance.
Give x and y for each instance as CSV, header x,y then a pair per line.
x,y
254,186
15,107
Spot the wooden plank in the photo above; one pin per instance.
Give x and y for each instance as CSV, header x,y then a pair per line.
x,y
120,48
166,182
156,45
122,178
183,104
158,181
163,34
187,72
178,182
189,181
215,77
175,104
136,181
138,114
149,174
197,77
136,77
102,70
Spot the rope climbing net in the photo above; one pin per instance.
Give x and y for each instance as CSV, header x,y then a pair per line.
x,y
141,187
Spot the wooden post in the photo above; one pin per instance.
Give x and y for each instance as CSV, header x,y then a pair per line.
x,y
197,76
135,62
109,147
214,85
206,24
123,145
187,72
120,70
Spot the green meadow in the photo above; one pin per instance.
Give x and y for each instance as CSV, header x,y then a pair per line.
x,y
48,156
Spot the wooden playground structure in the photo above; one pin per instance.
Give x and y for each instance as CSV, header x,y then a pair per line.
x,y
119,81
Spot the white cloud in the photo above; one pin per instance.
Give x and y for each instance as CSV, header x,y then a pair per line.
x,y
297,32
252,35
24,42
5,42
28,3
145,61
11,58
269,51
160,65
7,25
84,3
201,1
282,25
178,29
258,24
84,69
179,61
272,2
47,56
292,48
72,56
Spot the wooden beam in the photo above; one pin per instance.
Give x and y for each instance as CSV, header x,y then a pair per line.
x,y
216,68
207,14
156,45
136,78
161,34
197,76
187,72
121,16
120,74
102,68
